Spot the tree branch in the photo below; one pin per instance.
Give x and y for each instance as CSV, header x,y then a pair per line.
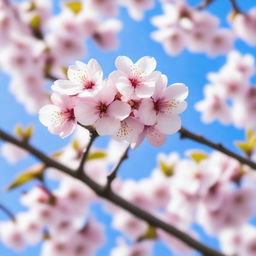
x,y
114,198
113,173
7,212
204,4
184,133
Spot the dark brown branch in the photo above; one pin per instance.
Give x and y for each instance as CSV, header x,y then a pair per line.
x,y
235,6
204,4
185,134
7,212
113,173
114,198
80,170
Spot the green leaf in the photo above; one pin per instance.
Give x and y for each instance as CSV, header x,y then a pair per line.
x,y
35,172
75,145
249,145
149,234
197,156
18,130
97,155
246,147
166,169
35,22
74,6
250,134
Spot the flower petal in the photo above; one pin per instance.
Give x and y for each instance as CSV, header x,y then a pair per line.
x,y
176,91
155,137
145,90
66,87
119,109
107,126
146,112
85,111
168,124
124,64
146,64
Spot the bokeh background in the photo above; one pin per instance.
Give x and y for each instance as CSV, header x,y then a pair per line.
x,y
135,42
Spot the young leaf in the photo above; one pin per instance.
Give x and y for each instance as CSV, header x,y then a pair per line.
x,y
34,172
166,169
97,155
197,155
149,234
74,6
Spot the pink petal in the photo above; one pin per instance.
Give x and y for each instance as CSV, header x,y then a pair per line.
x,y
130,130
66,87
119,109
168,124
176,91
65,129
107,126
145,90
124,64
85,111
146,64
94,67
124,86
146,112
155,137
46,114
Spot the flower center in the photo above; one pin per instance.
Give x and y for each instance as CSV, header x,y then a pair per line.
x,y
89,84
135,82
102,108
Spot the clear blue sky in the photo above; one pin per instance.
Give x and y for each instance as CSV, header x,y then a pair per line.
x,y
188,68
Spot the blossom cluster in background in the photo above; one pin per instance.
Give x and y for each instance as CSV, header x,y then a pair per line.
x,y
182,26
230,97
181,191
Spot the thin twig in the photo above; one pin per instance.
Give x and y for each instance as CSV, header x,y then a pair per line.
x,y
116,199
7,212
204,4
235,6
113,173
80,170
184,133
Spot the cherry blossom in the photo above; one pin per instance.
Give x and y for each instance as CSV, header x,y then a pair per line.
x,y
59,116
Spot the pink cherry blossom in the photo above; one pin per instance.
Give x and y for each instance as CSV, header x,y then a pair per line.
x,y
244,26
12,153
82,78
214,106
136,8
102,111
135,78
59,116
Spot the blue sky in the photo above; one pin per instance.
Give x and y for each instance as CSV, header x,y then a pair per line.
x,y
135,42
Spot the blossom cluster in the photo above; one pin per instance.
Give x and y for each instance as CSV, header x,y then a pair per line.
x,y
59,217
133,102
182,26
37,45
230,97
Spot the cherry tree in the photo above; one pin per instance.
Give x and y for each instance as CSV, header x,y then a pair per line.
x,y
42,51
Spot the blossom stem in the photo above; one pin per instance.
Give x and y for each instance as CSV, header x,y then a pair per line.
x,y
204,4
115,199
185,134
93,136
113,173
7,212
235,6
